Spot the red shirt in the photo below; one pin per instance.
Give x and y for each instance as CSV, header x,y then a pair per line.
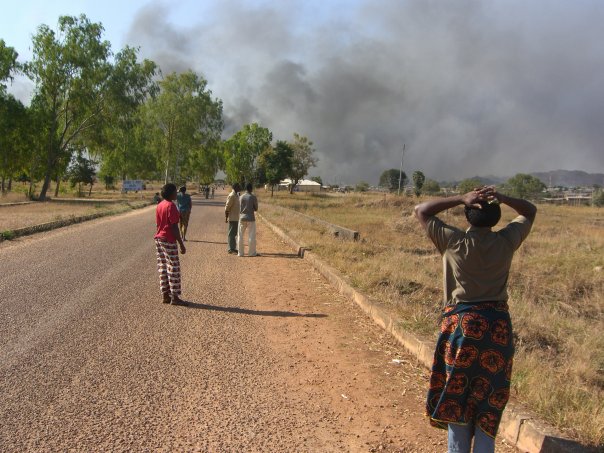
x,y
166,214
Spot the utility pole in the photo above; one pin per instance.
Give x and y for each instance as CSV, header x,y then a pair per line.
x,y
400,174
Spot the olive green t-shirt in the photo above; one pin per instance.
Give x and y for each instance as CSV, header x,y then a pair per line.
x,y
476,262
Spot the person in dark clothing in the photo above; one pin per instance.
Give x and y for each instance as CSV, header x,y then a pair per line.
x,y
247,221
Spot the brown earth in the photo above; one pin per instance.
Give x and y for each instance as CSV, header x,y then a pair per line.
x,y
268,357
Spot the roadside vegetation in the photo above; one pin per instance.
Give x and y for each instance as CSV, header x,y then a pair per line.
x,y
556,289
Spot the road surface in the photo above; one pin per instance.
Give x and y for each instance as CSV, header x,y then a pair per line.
x,y
267,357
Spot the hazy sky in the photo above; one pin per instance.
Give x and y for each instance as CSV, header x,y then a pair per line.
x,y
471,87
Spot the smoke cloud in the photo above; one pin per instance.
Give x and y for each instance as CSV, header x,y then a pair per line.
x,y
471,87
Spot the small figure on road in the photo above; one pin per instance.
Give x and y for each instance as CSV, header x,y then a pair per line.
x,y
247,221
156,198
184,205
231,212
166,239
470,380
213,190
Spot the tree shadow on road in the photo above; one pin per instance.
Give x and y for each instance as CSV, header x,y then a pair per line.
x,y
247,311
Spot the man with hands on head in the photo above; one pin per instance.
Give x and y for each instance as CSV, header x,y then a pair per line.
x,y
470,379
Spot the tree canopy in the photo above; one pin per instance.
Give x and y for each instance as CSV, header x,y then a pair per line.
x,y
302,159
275,163
469,184
389,179
418,182
242,150
523,185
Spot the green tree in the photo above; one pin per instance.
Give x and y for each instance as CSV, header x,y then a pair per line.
x,y
431,186
276,162
123,144
389,179
361,186
523,185
13,139
469,184
186,118
70,70
242,150
317,179
8,64
598,198
82,171
302,160
418,182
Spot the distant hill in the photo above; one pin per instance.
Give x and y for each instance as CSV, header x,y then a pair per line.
x,y
570,178
564,178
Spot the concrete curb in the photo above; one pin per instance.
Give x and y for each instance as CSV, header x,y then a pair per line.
x,y
522,430
19,203
26,231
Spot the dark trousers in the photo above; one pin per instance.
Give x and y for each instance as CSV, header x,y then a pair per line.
x,y
232,235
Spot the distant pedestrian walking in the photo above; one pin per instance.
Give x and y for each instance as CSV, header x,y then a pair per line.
x,y
184,205
213,189
470,380
231,212
247,221
166,239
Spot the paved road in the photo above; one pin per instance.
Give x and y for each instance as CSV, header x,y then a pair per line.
x,y
267,358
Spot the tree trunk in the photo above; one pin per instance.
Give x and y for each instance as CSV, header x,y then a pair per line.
x,y
10,184
272,189
2,185
58,181
45,186
90,191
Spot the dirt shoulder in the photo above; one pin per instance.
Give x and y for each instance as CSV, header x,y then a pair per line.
x,y
366,385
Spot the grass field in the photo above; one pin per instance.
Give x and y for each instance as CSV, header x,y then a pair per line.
x,y
556,290
14,217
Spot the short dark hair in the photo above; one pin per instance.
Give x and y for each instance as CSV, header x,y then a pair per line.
x,y
485,217
167,191
249,187
236,187
183,189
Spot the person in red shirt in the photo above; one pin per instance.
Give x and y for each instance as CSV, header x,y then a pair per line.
x,y
166,239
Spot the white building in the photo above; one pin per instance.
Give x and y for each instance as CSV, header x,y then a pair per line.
x,y
304,185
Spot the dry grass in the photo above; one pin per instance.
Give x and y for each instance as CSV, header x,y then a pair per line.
x,y
13,217
556,290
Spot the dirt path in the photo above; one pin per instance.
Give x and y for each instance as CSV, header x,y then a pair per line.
x,y
267,357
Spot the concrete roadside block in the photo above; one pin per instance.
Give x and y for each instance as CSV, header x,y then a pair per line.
x,y
336,230
518,428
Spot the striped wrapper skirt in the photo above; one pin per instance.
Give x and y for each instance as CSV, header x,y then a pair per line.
x,y
471,374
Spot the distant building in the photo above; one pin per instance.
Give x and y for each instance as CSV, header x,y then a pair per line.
x,y
304,185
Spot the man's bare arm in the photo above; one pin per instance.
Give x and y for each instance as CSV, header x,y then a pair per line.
x,y
523,207
431,208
